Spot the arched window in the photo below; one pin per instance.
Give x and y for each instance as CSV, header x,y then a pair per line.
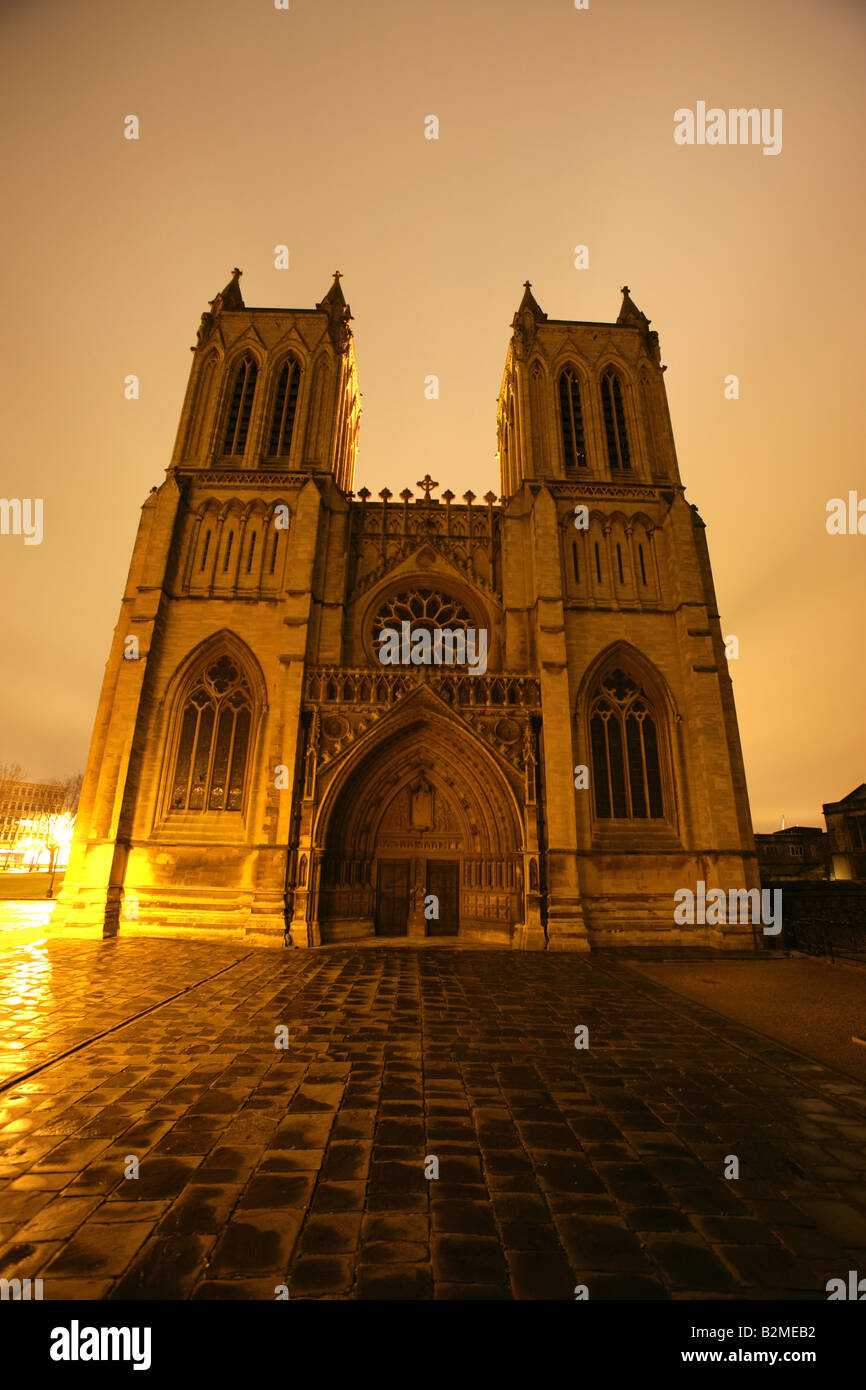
x,y
210,767
240,406
626,764
571,414
614,421
285,406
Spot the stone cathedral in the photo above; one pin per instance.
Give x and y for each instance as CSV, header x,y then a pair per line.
x,y
258,771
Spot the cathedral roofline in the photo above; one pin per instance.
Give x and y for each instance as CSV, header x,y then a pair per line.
x,y
590,323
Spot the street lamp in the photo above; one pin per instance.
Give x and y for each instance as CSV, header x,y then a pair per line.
x,y
59,837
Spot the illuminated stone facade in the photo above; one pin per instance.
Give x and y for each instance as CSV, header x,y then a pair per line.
x,y
256,770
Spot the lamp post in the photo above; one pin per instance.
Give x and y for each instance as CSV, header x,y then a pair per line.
x,y
54,850
59,835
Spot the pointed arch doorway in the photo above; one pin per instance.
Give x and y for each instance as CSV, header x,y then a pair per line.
x,y
420,835
419,848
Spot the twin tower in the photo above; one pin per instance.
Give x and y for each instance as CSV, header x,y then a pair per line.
x,y
259,772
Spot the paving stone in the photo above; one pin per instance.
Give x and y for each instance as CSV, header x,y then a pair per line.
x,y
237,1289
319,1274
765,1264
59,1219
689,1264
733,1230
399,1132
115,1210
25,1259
594,1242
623,1287
328,1235
398,1201
464,1218
314,1099
537,1274
393,1176
339,1196
530,1235
658,1219
270,1190
256,1245
234,1164
473,1292
396,1226
346,1160
166,1268
75,1290
303,1132
199,1211
407,1281
72,1154
101,1249
159,1177
291,1161
838,1219
463,1259
804,1241
354,1124
393,1252
36,1181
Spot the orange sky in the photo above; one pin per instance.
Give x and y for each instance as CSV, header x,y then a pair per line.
x,y
306,126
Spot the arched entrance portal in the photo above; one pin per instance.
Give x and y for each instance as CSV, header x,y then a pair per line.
x,y
419,835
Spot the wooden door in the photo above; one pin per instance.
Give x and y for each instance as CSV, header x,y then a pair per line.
x,y
443,879
392,897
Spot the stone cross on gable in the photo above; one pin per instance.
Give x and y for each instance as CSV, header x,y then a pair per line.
x,y
428,484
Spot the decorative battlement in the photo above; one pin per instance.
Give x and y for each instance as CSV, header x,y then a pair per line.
x,y
363,686
384,533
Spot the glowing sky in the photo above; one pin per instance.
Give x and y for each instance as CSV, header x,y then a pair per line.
x,y
306,127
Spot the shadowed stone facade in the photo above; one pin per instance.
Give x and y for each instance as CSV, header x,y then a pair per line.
x,y
257,770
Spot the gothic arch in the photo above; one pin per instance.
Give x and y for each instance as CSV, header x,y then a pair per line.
x,y
574,417
421,711
612,366
475,816
201,415
314,423
202,541
246,348
276,543
222,665
539,411
296,392
649,795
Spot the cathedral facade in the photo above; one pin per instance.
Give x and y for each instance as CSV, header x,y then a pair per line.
x,y
298,740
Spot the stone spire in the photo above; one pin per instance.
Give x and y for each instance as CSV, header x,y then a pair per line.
x,y
334,301
525,322
230,297
630,313
529,305
338,311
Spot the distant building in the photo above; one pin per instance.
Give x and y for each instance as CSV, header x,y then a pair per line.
x,y
25,812
800,853
846,832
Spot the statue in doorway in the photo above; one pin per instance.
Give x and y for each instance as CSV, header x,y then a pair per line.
x,y
416,925
421,805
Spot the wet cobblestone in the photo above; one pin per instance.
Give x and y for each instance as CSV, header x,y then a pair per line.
x,y
258,1166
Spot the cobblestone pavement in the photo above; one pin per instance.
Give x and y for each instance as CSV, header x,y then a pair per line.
x,y
558,1166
